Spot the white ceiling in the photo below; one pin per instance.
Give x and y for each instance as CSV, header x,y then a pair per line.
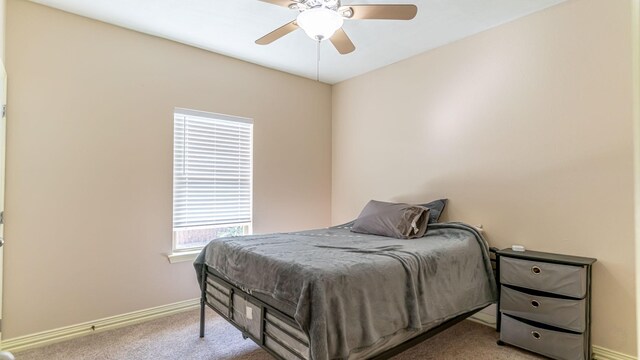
x,y
230,27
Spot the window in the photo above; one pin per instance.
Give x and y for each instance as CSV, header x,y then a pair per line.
x,y
212,177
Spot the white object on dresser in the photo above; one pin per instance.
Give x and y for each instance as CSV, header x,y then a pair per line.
x,y
518,248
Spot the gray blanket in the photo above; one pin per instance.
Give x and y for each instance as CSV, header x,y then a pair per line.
x,y
352,291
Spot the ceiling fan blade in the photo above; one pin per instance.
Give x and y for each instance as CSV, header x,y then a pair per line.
x,y
384,12
342,42
284,3
277,33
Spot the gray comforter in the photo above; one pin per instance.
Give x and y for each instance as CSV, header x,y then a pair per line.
x,y
352,291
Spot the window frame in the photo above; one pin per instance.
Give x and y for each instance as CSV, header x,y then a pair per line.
x,y
188,254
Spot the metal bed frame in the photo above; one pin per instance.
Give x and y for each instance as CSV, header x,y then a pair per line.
x,y
282,320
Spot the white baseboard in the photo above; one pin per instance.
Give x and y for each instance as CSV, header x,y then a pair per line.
x,y
73,331
599,353
484,319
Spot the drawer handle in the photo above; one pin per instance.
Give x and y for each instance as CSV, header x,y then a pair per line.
x,y
535,303
536,270
536,335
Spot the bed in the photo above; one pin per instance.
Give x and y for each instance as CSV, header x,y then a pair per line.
x,y
331,294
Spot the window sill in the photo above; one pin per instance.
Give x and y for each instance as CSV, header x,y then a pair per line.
x,y
183,256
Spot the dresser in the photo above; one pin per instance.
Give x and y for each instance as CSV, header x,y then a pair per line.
x,y
545,303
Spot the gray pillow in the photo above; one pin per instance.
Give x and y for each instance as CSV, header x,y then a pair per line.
x,y
436,207
402,221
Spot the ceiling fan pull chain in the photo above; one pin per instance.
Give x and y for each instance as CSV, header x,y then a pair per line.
x,y
318,62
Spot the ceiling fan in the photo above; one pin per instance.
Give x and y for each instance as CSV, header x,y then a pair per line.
x,y
323,19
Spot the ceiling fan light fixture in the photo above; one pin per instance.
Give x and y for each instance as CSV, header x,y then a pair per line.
x,y
319,23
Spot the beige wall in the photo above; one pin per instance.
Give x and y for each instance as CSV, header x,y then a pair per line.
x,y
526,128
636,131
3,5
89,161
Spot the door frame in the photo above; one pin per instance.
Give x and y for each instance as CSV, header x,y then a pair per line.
x,y
3,145
635,46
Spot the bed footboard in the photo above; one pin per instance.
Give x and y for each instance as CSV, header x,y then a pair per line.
x,y
271,329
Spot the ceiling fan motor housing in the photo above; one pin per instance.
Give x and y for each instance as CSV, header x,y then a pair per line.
x,y
303,5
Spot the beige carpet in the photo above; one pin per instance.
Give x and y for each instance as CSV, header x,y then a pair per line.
x,y
176,337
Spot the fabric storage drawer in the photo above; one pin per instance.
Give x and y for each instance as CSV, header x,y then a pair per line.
x,y
560,279
218,295
247,315
555,344
286,340
564,313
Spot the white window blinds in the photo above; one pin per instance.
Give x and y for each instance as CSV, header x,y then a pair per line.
x,y
212,169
